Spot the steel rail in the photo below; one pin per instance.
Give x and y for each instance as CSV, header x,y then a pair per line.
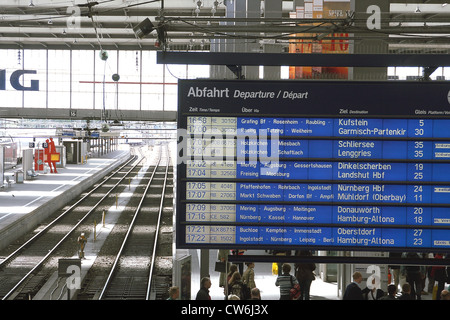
x,y
147,297
130,228
37,235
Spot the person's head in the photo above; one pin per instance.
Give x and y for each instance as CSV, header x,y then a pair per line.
x,y
256,294
233,297
174,292
392,289
233,269
206,283
357,277
236,276
445,295
250,264
406,288
286,267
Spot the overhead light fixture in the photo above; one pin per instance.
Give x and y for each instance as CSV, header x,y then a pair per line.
x,y
144,28
31,3
417,10
444,4
214,8
199,5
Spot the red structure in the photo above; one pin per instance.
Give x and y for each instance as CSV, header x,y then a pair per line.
x,y
51,155
39,159
48,154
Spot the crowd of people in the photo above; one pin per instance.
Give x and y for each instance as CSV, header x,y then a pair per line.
x,y
354,292
238,284
415,280
236,287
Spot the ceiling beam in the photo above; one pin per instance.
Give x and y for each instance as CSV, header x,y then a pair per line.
x,y
84,114
292,59
47,24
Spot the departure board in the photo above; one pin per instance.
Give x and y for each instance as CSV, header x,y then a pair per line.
x,y
328,165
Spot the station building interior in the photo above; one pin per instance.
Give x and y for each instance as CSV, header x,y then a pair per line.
x,y
72,67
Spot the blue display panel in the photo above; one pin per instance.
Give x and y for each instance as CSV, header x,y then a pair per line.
x,y
343,127
338,171
345,149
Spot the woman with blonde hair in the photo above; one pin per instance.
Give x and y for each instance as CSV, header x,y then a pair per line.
x,y
249,275
236,285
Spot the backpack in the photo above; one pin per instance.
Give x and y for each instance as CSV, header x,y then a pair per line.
x,y
412,268
245,292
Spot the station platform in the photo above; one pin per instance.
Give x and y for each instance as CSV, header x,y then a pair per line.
x,y
25,205
265,280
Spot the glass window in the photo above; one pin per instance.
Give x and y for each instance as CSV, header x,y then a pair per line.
x,y
83,79
128,86
59,79
408,73
11,60
105,87
152,82
175,72
35,60
171,75
439,74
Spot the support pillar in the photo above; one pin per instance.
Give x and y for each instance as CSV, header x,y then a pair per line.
x,y
204,263
272,9
238,9
253,11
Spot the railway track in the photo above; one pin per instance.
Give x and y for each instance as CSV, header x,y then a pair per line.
x,y
26,270
138,261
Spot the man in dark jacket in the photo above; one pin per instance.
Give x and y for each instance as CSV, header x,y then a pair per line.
x,y
203,293
406,292
392,290
353,291
414,275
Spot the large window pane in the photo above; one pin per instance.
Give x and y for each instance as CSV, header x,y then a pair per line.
x,y
175,72
152,82
35,60
83,79
10,98
171,75
408,73
129,84
59,79
105,87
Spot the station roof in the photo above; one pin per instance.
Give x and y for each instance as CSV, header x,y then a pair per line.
x,y
419,25
408,26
